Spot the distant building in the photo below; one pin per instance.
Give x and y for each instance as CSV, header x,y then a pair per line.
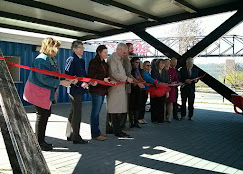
x,y
229,66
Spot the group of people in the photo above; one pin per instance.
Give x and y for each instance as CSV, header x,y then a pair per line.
x,y
163,108
126,100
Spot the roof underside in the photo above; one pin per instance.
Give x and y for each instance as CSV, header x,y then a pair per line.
x,y
92,19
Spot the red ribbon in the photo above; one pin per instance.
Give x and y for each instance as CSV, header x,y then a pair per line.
x,y
83,79
56,74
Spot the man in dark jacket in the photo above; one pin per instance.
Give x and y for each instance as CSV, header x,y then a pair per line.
x,y
188,75
75,66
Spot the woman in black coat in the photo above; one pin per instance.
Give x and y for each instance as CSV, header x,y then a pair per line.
x,y
136,93
158,103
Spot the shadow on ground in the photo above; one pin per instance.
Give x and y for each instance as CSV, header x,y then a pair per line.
x,y
212,140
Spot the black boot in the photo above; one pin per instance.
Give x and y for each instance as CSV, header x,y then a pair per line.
x,y
131,120
122,119
109,127
49,144
132,125
137,125
136,115
116,123
40,127
45,147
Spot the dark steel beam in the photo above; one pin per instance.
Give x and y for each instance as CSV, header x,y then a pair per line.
x,y
88,37
37,31
63,11
184,16
105,34
213,36
208,79
163,56
174,18
157,44
216,85
46,22
140,13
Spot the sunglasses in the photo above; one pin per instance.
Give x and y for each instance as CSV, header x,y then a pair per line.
x,y
137,62
148,65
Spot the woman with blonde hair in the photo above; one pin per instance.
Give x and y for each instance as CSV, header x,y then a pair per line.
x,y
40,89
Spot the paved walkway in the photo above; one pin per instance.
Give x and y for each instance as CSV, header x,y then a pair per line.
x,y
211,143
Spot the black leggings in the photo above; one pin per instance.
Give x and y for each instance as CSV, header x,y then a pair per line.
x,y
144,98
157,109
41,122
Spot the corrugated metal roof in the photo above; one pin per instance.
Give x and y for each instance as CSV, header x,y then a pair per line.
x,y
88,19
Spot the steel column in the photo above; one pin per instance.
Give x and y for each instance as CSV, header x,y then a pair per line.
x,y
218,32
157,44
213,36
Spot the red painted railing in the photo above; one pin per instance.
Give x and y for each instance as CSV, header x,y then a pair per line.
x,y
238,103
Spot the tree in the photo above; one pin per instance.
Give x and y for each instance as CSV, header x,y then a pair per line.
x,y
187,32
232,74
234,79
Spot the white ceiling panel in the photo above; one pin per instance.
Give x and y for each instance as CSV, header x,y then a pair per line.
x,y
159,8
14,22
50,16
208,3
98,10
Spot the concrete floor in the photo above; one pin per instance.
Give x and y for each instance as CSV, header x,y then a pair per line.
x,y
211,143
